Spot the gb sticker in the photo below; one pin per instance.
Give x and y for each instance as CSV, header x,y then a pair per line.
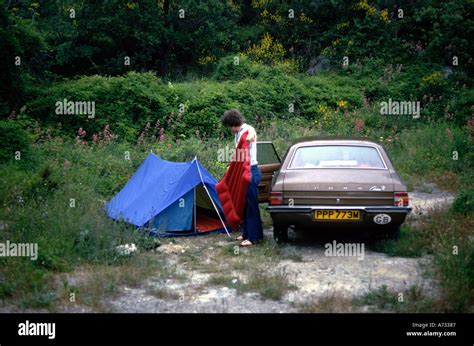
x,y
382,219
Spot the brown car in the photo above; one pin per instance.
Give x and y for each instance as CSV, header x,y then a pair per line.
x,y
333,181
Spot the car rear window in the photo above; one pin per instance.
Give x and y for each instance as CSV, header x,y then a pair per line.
x,y
337,156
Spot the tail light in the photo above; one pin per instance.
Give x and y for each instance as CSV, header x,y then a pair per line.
x,y
276,198
400,199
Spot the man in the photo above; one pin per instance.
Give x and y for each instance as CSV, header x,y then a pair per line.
x,y
252,228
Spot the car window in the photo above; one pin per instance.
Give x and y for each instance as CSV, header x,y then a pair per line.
x,y
337,156
266,153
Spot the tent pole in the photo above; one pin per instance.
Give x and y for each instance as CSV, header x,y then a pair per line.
x,y
212,201
195,230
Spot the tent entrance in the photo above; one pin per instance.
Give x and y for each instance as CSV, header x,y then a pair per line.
x,y
193,213
206,216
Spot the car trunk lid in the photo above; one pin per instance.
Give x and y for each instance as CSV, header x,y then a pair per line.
x,y
338,187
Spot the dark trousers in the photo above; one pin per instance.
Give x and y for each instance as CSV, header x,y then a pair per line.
x,y
252,229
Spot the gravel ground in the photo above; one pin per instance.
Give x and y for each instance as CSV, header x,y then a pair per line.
x,y
423,202
313,274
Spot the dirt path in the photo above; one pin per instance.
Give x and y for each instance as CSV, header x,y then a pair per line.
x,y
423,202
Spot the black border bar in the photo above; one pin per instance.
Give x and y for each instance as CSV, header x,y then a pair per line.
x,y
221,329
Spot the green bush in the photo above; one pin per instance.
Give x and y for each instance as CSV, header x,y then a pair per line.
x,y
233,67
125,103
429,150
13,139
30,289
464,202
461,106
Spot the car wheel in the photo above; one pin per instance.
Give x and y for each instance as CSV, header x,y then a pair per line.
x,y
280,233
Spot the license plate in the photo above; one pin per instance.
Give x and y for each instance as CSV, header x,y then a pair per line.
x,y
336,215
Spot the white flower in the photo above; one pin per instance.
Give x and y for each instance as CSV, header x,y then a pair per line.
x,y
126,250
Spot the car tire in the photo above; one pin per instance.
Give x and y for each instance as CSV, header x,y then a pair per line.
x,y
280,233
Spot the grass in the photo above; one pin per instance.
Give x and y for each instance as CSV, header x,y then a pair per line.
x,y
269,286
267,253
26,286
162,293
382,299
221,280
412,300
411,244
333,303
261,280
94,285
448,236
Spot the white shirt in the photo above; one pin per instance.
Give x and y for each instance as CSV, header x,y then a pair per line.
x,y
252,146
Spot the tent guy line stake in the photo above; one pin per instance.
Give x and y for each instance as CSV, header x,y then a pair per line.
x,y
212,201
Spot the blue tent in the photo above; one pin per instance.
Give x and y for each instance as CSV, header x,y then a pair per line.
x,y
172,198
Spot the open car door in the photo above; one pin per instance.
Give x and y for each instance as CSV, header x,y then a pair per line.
x,y
268,162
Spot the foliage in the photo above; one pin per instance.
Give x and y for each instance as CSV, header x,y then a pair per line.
x,y
464,202
123,102
234,68
22,47
14,142
267,51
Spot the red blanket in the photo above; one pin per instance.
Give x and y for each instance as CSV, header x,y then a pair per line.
x,y
232,188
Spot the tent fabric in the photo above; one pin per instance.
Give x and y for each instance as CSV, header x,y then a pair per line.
x,y
175,217
232,188
162,193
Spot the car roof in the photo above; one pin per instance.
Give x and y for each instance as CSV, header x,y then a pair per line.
x,y
335,140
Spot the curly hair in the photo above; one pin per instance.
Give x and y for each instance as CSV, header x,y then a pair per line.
x,y
232,117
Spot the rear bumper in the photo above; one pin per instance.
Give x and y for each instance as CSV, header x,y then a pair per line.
x,y
302,216
309,209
